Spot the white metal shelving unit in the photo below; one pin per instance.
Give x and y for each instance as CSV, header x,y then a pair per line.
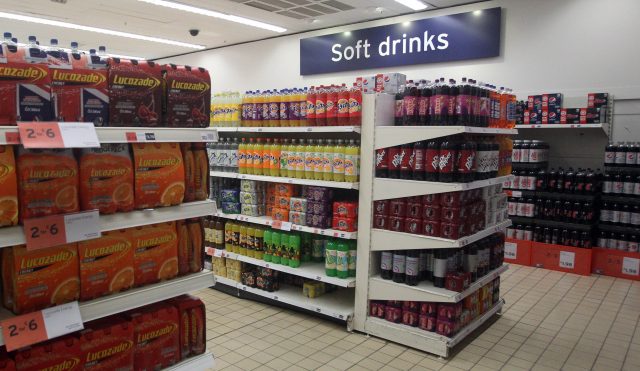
x,y
377,116
291,129
203,361
278,179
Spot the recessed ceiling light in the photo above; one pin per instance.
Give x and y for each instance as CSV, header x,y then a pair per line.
x,y
211,13
347,33
73,26
413,4
477,12
406,23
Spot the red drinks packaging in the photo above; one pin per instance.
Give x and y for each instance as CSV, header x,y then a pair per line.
x,y
79,87
457,281
427,323
551,101
597,100
431,212
452,231
381,207
345,209
107,345
106,178
196,244
191,313
409,318
135,92
155,253
344,224
449,311
396,224
398,207
446,328
569,116
429,309
432,199
412,225
381,221
430,228
6,363
25,85
414,207
355,106
188,96
156,334
58,354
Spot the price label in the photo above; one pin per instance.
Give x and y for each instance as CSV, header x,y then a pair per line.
x,y
309,129
279,224
140,137
631,266
58,135
318,278
275,297
35,327
510,250
12,137
209,136
211,251
516,193
567,259
56,230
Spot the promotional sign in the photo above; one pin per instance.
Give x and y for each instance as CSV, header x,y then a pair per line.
x,y
456,37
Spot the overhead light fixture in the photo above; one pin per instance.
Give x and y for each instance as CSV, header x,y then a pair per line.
x,y
347,33
413,4
406,23
211,13
477,12
87,52
73,26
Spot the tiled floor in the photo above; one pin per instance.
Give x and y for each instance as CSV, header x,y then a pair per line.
x,y
551,321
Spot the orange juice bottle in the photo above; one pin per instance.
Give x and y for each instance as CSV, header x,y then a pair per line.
x,y
37,279
155,253
274,169
266,157
189,172
106,265
47,182
159,175
106,178
8,187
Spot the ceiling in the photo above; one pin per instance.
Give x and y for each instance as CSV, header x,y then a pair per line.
x,y
151,20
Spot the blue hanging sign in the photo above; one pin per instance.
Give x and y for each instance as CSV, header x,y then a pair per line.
x,y
456,37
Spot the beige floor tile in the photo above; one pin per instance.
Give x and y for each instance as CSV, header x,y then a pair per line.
x,y
309,364
370,364
278,364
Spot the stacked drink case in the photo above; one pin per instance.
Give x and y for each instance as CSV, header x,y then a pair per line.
x,y
458,158
450,215
453,269
469,103
69,85
445,319
548,108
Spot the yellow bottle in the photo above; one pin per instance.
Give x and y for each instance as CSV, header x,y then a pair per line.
x,y
294,108
243,239
292,153
327,161
309,159
338,161
250,242
248,155
266,157
228,236
257,157
274,109
300,157
274,169
284,158
317,160
351,161
258,101
235,227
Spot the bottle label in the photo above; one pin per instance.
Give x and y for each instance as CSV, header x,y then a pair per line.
x,y
418,159
326,163
381,159
447,161
309,163
615,216
466,159
343,107
284,160
330,259
410,106
258,243
350,164
413,266
284,110
432,105
451,105
515,155
423,106
440,267
406,159
483,161
625,217
442,104
294,110
395,158
303,110
311,109
353,259
320,108
317,162
399,108
218,237
629,188
355,106
331,108
620,158
484,106
432,159
386,261
399,263
338,163
342,261
605,215
635,218
462,105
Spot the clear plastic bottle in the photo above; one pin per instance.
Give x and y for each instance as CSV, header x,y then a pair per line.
x,y
233,155
300,158
327,161
338,161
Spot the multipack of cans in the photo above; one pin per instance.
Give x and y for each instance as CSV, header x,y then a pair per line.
x,y
548,109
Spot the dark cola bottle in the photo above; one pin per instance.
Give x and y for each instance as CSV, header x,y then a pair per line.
x,y
382,163
552,180
466,162
424,94
418,166
410,105
412,267
448,155
452,113
441,109
394,159
569,177
399,107
406,162
462,104
432,161
579,182
542,180
560,181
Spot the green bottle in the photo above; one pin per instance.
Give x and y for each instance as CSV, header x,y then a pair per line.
x,y
277,247
268,245
342,259
284,254
305,246
294,250
317,249
258,243
353,257
330,258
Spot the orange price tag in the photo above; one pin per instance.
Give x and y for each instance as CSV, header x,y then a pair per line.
x,y
40,135
277,224
12,137
23,330
45,232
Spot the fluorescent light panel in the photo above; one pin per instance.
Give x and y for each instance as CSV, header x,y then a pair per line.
x,y
211,13
49,22
87,52
413,4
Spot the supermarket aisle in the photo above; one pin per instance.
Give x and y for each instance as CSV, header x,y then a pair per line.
x,y
552,321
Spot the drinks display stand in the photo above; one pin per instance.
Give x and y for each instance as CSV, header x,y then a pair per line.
x,y
137,297
378,114
337,305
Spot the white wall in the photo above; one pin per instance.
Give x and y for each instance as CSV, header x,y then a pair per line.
x,y
569,46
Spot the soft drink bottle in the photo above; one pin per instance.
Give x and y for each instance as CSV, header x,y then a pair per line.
x,y
465,162
284,158
309,159
332,106
405,162
276,243
257,157
485,104
236,109
432,161
274,109
284,108
318,155
327,161
394,159
453,101
418,162
338,161
266,157
382,163
245,104
423,103
223,155
399,106
311,106
249,241
410,105
274,168
291,158
234,155
253,109
294,108
448,155
355,106
343,106
300,158
243,239
303,107
351,161
463,111
284,250
321,106
258,100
